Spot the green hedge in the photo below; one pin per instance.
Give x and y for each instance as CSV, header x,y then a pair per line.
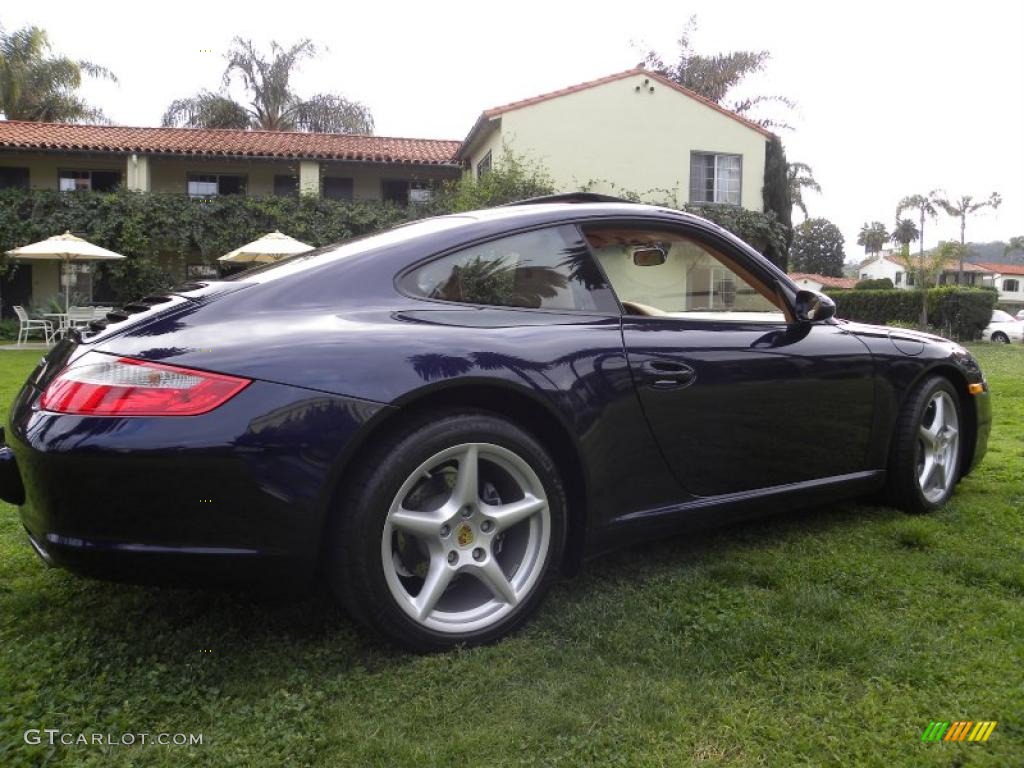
x,y
147,223
876,284
180,229
959,313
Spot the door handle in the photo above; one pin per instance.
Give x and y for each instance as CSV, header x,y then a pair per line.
x,y
668,373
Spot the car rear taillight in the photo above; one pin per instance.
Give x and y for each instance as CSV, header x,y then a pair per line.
x,y
102,385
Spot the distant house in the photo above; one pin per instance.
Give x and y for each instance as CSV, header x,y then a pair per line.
x,y
633,131
1009,281
821,283
887,265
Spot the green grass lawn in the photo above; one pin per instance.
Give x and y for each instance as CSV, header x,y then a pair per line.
x,y
822,637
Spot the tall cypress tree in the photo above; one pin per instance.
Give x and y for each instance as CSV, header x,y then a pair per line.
x,y
776,194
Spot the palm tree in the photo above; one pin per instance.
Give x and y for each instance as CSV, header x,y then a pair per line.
x,y
905,233
872,236
37,86
925,207
800,176
961,208
272,104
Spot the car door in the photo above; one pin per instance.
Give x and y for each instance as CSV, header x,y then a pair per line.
x,y
739,396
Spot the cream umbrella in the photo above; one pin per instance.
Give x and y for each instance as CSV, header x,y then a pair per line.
x,y
270,247
66,249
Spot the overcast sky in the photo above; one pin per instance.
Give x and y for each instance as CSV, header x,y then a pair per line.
x,y
895,98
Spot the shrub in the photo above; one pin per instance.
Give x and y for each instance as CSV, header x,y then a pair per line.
x,y
511,178
143,225
878,306
959,313
875,284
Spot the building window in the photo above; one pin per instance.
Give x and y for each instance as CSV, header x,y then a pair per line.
x,y
715,178
13,178
1011,286
899,278
910,279
864,276
286,185
337,188
97,181
484,166
214,184
404,192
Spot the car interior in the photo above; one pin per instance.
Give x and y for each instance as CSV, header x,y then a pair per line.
x,y
665,274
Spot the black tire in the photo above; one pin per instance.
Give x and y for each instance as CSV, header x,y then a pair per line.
x,y
1000,338
353,563
903,488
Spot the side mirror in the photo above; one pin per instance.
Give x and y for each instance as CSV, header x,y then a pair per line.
x,y
649,256
812,307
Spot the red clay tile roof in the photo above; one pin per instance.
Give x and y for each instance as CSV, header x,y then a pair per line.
x,y
489,114
226,143
1003,269
954,266
825,280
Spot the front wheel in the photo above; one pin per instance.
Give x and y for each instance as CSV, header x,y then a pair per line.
x,y
1000,338
924,464
449,534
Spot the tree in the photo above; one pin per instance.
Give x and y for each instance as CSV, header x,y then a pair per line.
x,y
715,76
272,104
801,177
872,236
905,233
1015,244
817,248
961,208
37,86
776,192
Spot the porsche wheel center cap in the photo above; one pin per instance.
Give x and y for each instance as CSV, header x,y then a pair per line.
x,y
464,535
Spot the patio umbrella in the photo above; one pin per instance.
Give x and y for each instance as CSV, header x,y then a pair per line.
x,y
66,249
270,247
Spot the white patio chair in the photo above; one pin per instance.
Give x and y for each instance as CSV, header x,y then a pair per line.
x,y
29,324
79,317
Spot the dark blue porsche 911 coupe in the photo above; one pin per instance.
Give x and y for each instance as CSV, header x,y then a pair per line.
x,y
441,418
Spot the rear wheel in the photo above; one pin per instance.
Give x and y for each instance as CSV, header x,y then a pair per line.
x,y
925,463
449,533
1000,337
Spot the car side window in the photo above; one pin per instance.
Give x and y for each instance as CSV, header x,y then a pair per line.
x,y
543,269
664,273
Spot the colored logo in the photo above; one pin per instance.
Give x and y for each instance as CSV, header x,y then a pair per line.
x,y
464,535
961,730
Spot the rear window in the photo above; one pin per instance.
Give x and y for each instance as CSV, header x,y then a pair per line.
x,y
543,269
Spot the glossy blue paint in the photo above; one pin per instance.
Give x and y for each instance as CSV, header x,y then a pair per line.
x,y
742,413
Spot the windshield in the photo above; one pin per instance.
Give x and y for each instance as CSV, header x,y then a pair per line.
x,y
998,316
302,261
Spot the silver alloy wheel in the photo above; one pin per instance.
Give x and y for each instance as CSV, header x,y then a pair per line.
x,y
938,447
466,537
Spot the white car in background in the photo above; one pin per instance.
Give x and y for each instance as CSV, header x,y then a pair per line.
x,y
1004,328
1020,315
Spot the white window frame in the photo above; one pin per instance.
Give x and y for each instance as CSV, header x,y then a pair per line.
x,y
77,175
483,166
189,177
717,182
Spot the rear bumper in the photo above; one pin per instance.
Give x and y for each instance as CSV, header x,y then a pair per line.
x,y
233,496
